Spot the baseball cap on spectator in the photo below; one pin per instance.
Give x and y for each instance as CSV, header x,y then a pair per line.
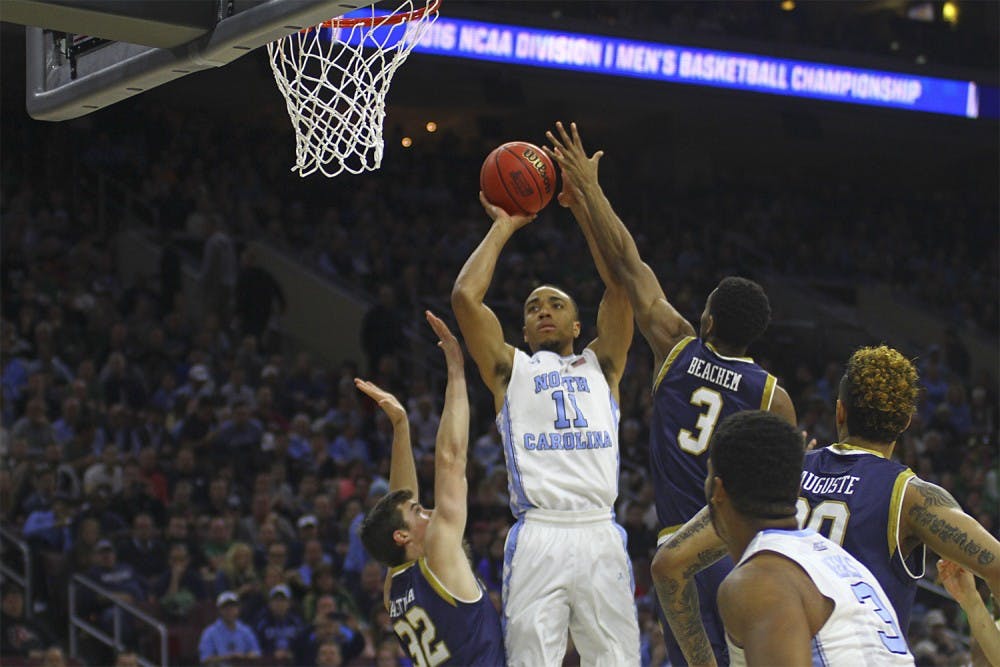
x,y
227,597
103,545
934,617
281,589
198,373
307,520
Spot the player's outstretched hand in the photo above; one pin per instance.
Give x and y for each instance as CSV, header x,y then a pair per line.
x,y
447,342
498,214
567,150
956,580
393,409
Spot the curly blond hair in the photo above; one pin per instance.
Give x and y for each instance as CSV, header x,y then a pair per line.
x,y
879,391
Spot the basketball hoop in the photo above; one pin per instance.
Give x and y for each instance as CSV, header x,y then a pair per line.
x,y
334,78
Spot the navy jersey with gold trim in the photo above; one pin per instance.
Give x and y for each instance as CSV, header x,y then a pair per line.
x,y
696,389
854,497
436,628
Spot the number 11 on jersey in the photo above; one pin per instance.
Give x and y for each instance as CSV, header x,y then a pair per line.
x,y
562,421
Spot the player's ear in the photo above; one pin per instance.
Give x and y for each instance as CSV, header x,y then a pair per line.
x,y
841,415
524,332
576,329
717,489
400,537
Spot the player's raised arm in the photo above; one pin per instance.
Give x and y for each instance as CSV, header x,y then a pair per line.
x,y
659,321
402,470
931,515
688,551
480,326
445,554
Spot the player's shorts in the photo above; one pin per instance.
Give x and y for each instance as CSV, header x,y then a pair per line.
x,y
568,570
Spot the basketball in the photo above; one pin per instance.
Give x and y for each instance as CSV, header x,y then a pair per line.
x,y
518,177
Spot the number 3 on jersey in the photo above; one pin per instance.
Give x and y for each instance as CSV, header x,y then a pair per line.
x,y
697,442
418,633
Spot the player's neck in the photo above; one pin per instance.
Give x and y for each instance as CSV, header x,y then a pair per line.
x,y
742,534
726,350
885,449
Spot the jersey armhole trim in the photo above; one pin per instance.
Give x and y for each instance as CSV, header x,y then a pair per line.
x,y
768,395
399,569
440,588
681,344
895,516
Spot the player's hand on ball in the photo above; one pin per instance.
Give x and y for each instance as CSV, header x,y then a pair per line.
x,y
447,341
497,214
567,150
393,409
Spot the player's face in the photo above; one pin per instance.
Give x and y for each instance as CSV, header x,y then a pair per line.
x,y
417,517
550,321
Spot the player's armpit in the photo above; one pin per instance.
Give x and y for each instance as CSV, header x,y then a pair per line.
x,y
934,517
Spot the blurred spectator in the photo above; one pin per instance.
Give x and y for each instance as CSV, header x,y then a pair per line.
x,y
178,586
118,578
127,659
218,270
237,573
20,636
329,655
143,550
34,427
107,471
50,528
53,657
278,625
227,638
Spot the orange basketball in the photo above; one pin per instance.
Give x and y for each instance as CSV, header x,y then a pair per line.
x,y
518,177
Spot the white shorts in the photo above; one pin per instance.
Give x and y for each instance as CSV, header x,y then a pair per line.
x,y
570,571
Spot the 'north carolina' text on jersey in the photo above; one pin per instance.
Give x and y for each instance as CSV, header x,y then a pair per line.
x,y
854,496
862,628
559,425
695,389
436,628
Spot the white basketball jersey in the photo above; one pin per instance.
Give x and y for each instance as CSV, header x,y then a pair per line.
x,y
863,628
559,425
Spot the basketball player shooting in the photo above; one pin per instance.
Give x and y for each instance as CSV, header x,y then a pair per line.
x,y
565,564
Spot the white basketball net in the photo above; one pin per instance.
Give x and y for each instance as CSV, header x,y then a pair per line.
x,y
334,78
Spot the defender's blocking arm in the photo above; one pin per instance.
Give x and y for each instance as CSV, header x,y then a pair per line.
x,y
658,320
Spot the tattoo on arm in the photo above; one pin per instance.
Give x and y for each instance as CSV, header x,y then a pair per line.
x,y
934,495
679,598
924,517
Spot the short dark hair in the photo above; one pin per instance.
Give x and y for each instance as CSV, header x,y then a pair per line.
x,y
758,456
741,311
379,525
879,392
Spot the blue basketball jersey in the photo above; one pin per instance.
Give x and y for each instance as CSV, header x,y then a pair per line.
x,y
854,497
436,628
696,389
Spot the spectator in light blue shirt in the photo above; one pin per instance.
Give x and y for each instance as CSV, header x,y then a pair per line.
x,y
227,638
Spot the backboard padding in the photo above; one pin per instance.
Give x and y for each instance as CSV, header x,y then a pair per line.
x,y
58,89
